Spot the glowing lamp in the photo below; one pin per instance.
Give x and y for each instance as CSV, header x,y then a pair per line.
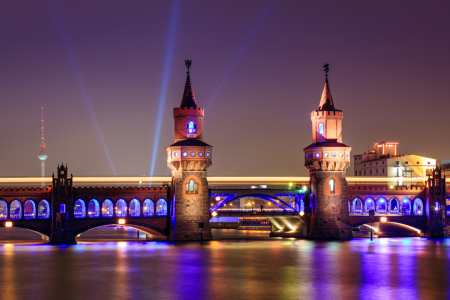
x,y
121,221
8,224
383,219
302,213
391,187
218,198
214,214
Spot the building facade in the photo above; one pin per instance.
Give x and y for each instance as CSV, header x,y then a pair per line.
x,y
385,161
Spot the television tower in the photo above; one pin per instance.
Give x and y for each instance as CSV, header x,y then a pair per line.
x,y
42,154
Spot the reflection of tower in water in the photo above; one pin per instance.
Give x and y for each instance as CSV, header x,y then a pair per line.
x,y
42,153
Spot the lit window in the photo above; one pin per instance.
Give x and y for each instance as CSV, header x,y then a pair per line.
x,y
192,187
185,154
62,208
334,154
326,154
192,154
317,155
332,185
200,154
321,129
207,154
340,154
192,128
176,154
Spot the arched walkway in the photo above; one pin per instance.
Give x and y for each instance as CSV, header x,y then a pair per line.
x,y
15,210
161,208
79,209
135,208
418,207
107,209
357,206
93,209
121,208
406,207
394,208
148,209
43,209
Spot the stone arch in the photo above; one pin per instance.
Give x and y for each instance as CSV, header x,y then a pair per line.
x,y
146,228
79,209
107,208
94,209
382,206
369,204
121,208
135,208
447,206
357,206
29,210
161,207
406,206
43,209
15,210
3,210
418,207
148,209
45,234
394,206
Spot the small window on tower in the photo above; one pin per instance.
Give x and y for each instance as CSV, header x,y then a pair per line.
x,y
62,208
192,128
332,185
321,129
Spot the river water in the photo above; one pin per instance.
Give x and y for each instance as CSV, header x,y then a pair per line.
x,y
236,265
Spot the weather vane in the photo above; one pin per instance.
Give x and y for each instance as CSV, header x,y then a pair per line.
x,y
326,69
188,64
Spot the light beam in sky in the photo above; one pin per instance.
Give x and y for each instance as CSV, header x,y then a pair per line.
x,y
249,38
173,24
77,72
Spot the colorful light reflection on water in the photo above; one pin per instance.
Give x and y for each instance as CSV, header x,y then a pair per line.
x,y
251,265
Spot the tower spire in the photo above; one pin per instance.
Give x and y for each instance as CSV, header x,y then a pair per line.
x,y
42,153
326,101
188,94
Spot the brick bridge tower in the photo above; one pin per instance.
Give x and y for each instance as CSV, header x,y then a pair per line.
x,y
437,205
327,159
62,208
188,158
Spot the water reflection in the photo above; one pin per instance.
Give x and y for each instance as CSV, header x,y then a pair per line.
x,y
235,265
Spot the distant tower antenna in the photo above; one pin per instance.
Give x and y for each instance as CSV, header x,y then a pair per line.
x,y
326,69
42,154
188,64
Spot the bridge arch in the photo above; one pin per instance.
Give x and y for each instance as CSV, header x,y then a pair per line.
x,y
161,207
394,206
107,209
447,206
15,210
369,204
146,228
29,210
381,206
93,209
406,206
148,208
3,210
418,207
135,208
79,209
357,206
121,208
45,234
43,209
271,199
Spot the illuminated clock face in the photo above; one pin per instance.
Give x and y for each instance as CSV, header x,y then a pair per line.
x,y
62,172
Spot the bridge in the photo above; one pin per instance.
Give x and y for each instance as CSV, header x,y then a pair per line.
x,y
130,201
326,204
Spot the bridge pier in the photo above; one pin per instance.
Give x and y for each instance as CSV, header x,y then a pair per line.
x,y
62,236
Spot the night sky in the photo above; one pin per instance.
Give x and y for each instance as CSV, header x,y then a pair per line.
x,y
103,70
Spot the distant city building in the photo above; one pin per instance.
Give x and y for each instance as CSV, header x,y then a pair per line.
x,y
384,161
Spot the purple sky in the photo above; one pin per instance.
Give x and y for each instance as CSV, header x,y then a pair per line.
x,y
99,69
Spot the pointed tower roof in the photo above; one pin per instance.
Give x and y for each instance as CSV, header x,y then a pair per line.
x,y
188,95
326,101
